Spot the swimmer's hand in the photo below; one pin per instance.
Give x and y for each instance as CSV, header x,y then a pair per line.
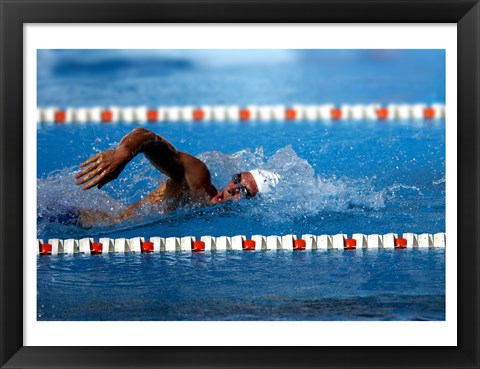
x,y
103,167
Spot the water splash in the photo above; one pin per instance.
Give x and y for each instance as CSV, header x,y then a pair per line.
x,y
439,181
300,193
401,190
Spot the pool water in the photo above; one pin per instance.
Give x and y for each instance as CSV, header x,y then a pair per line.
x,y
321,285
347,177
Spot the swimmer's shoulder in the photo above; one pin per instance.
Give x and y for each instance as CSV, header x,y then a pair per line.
x,y
197,175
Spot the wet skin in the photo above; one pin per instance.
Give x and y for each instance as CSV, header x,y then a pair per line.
x,y
189,178
232,190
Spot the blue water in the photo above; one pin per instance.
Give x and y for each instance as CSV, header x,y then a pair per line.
x,y
334,285
349,177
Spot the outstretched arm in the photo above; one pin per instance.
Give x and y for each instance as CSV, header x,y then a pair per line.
x,y
107,165
184,170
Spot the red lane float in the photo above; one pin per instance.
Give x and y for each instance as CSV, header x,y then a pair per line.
x,y
245,114
308,242
264,113
45,249
350,244
400,243
382,113
429,113
107,116
152,116
198,115
336,114
299,245
60,117
249,245
96,248
198,246
147,246
290,114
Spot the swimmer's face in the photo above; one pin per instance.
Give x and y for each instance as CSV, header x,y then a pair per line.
x,y
242,185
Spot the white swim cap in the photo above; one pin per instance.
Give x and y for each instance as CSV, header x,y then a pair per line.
x,y
266,180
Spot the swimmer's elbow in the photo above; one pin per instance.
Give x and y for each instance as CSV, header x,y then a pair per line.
x,y
141,130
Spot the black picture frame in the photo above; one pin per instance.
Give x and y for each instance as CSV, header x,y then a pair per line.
x,y
15,13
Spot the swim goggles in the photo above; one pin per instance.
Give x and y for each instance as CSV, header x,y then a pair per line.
x,y
237,179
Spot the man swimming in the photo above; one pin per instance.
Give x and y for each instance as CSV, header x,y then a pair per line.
x,y
189,178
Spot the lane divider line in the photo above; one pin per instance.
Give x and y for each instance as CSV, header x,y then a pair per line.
x,y
289,242
264,113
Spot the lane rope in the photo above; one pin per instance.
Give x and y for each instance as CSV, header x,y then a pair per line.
x,y
313,113
290,242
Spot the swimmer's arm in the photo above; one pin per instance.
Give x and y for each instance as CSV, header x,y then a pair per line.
x,y
186,172
165,191
91,217
161,153
107,165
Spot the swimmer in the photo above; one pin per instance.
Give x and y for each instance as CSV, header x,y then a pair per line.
x,y
189,179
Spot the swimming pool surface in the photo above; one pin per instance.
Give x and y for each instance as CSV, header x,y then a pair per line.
x,y
346,177
323,285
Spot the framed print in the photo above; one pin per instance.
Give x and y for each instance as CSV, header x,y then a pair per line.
x,y
228,184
